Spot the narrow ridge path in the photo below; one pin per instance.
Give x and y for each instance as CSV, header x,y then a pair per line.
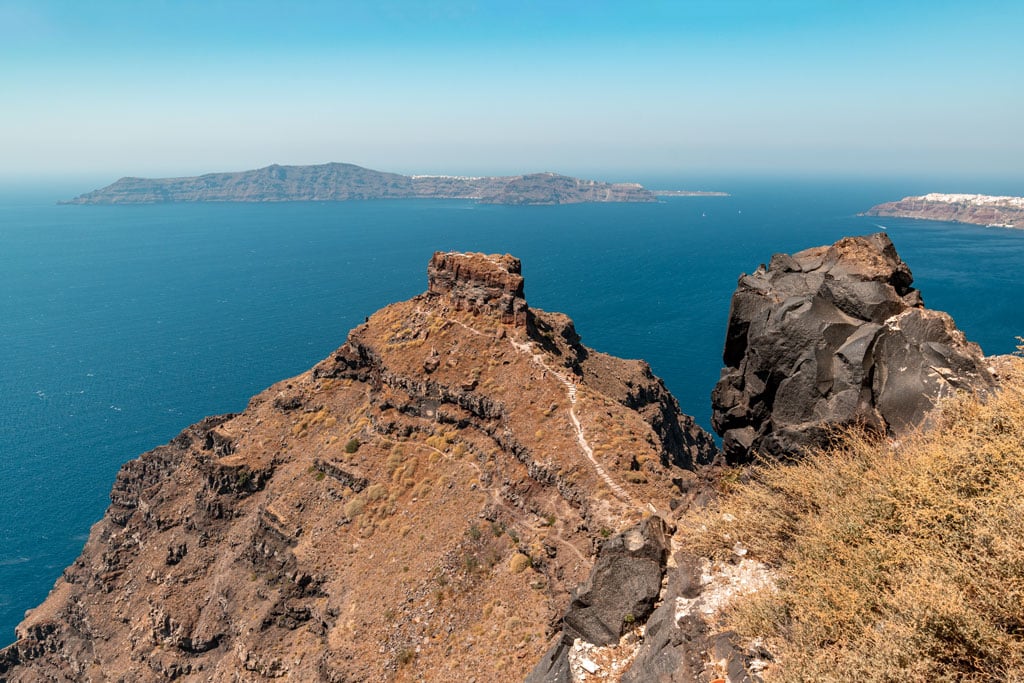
x,y
571,389
581,438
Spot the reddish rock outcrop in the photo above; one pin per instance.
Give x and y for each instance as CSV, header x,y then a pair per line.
x,y
833,336
480,283
378,517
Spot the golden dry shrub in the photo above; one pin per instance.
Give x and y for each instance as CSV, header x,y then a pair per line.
x,y
895,561
519,562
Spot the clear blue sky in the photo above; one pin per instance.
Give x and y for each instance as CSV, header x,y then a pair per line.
x,y
161,87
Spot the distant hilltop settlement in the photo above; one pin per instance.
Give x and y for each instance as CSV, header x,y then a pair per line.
x,y
977,209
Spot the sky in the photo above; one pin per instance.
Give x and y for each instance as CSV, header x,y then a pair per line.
x,y
158,88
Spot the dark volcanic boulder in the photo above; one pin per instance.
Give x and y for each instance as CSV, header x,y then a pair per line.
x,y
620,591
832,336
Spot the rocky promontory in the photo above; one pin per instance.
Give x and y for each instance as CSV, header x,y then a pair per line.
x,y
418,506
978,209
344,182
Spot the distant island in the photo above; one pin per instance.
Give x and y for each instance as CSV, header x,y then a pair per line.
x,y
342,182
978,209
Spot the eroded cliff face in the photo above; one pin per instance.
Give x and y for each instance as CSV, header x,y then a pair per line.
x,y
834,336
418,506
978,209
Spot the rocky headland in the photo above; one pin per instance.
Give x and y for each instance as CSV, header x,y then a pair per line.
x,y
343,182
977,209
464,491
423,500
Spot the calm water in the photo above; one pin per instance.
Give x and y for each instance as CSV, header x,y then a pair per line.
x,y
119,326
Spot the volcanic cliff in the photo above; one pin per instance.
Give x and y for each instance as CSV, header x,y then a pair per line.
x,y
978,209
417,506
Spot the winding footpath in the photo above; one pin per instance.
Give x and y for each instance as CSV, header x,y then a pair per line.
x,y
581,438
570,387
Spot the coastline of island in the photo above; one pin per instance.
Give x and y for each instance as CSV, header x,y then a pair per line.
x,y
974,209
346,182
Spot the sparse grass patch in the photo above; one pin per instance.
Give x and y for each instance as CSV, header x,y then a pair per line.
x,y
634,477
422,488
519,562
376,492
355,507
310,420
894,562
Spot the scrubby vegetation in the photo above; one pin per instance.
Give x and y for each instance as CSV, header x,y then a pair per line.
x,y
894,561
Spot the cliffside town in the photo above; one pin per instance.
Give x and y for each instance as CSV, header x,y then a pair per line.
x,y
979,209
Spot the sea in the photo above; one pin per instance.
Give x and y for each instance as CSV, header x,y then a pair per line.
x,y
122,325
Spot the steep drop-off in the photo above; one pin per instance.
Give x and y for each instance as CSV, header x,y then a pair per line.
x,y
417,506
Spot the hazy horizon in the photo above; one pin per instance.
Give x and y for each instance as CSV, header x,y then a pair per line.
x,y
108,89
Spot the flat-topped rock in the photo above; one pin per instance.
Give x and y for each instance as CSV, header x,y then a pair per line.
x,y
480,283
833,336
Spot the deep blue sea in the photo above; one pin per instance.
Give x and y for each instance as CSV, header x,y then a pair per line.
x,y
119,326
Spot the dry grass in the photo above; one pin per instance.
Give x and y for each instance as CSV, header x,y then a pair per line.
x,y
895,562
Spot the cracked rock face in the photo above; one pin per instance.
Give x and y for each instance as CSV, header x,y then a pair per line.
x,y
480,283
833,336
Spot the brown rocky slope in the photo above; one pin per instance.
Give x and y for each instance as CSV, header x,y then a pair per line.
x,y
418,506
